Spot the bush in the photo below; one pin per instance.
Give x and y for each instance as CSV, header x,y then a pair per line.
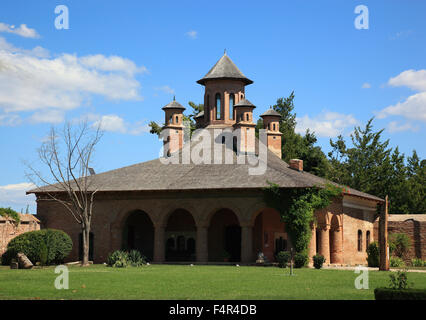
x,y
392,294
418,262
47,246
300,259
118,259
136,259
398,280
373,254
318,261
399,244
396,262
283,257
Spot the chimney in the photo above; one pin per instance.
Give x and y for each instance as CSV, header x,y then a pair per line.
x,y
296,164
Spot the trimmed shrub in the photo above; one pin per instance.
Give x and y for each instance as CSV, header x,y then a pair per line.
x,y
418,262
396,294
300,259
283,257
396,262
373,254
318,261
47,246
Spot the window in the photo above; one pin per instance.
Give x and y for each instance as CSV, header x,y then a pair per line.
x,y
367,239
218,111
274,126
359,240
171,120
247,117
231,106
177,119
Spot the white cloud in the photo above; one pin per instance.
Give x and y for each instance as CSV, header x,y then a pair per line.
x,y
414,107
394,126
328,124
166,89
9,120
366,85
48,116
30,81
13,195
412,79
114,123
22,30
192,34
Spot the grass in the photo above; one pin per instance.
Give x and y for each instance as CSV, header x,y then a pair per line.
x,y
197,282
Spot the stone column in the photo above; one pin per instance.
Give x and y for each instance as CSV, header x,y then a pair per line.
x,y
247,244
336,254
202,248
159,248
324,245
313,244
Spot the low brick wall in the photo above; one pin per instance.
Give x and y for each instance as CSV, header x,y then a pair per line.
x,y
9,230
414,226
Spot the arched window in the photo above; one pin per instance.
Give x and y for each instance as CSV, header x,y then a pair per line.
x,y
359,240
218,106
247,117
274,126
367,239
207,111
171,120
177,119
231,106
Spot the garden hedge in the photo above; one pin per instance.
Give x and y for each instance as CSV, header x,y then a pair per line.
x,y
399,294
47,246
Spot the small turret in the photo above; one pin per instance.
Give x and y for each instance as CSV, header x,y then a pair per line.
x,y
245,125
173,126
271,122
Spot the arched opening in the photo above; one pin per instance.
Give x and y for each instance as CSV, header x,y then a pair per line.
x,y
231,106
367,239
224,237
179,231
335,241
138,234
359,240
218,106
269,236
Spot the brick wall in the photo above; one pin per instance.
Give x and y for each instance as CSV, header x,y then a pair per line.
x,y
9,230
415,229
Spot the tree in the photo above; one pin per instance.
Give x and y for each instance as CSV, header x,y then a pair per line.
x,y
294,145
416,183
67,155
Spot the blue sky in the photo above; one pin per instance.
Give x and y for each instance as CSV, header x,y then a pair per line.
x,y
120,62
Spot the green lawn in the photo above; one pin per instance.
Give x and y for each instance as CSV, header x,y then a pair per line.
x,y
197,282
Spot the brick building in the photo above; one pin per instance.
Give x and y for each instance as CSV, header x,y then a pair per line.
x,y
199,212
9,229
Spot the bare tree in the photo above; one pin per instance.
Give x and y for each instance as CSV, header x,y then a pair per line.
x,y
67,155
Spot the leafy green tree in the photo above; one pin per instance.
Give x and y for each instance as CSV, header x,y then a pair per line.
x,y
416,184
294,145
